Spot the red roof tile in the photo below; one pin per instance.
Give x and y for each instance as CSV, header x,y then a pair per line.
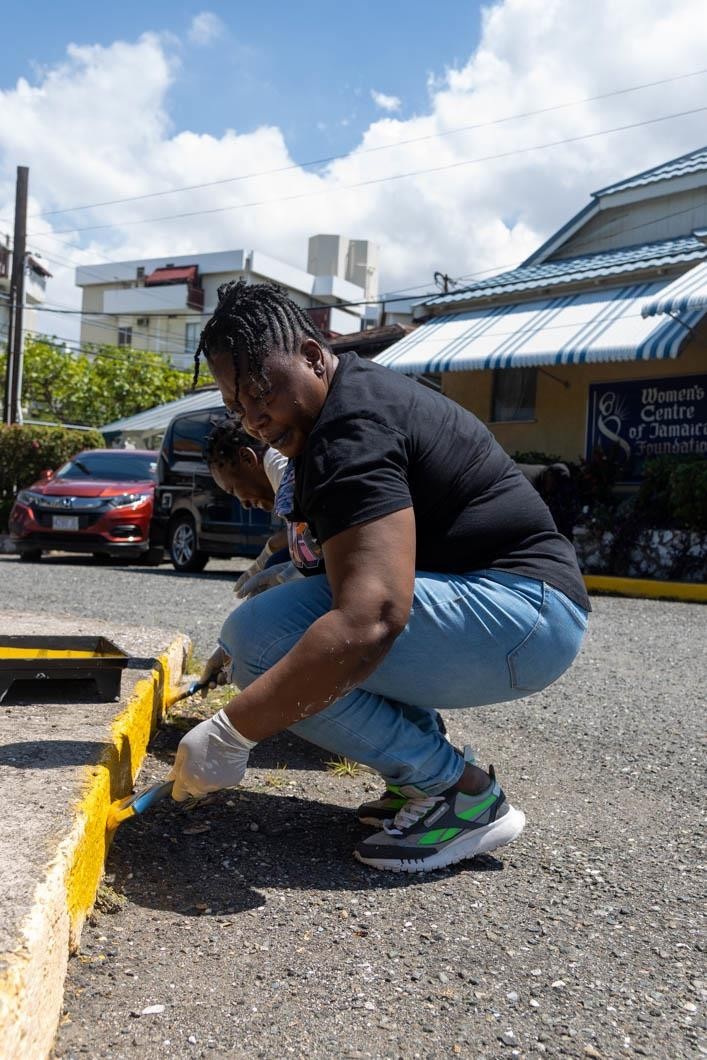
x,y
173,274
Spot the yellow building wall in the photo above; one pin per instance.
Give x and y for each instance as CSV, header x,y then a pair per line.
x,y
561,410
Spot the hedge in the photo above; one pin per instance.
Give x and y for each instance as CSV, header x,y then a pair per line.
x,y
672,494
26,451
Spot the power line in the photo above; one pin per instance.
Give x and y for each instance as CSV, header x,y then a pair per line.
x,y
89,350
401,297
506,265
585,242
90,272
370,150
405,292
168,351
68,263
643,224
196,316
391,177
499,335
89,317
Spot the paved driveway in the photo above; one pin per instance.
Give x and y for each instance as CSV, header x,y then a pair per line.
x,y
250,928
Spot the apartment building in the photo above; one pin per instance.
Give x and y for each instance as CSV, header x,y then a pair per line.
x,y
161,304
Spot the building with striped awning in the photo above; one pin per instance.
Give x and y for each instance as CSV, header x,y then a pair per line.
x,y
572,350
586,327
687,294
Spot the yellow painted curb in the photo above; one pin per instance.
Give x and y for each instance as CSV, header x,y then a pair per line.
x,y
32,979
694,592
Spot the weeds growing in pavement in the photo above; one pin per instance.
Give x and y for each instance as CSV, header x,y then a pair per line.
x,y
344,767
277,778
108,900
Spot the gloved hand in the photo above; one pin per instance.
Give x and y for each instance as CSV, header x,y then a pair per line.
x,y
257,565
217,671
213,755
278,574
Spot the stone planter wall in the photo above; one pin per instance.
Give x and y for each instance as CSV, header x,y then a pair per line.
x,y
666,555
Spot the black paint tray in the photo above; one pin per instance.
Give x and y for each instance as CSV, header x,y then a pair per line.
x,y
62,658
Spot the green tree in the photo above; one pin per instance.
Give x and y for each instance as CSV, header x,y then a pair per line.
x,y
96,386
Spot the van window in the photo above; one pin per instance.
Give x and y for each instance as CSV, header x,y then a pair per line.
x,y
189,434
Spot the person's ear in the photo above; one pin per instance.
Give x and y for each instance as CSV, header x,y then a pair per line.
x,y
314,355
248,456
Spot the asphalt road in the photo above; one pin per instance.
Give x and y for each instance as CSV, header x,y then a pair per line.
x,y
192,603
244,928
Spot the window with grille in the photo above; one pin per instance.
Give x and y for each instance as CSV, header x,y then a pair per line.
x,y
125,336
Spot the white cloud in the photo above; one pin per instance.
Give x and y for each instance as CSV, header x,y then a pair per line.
x,y
387,103
205,28
97,127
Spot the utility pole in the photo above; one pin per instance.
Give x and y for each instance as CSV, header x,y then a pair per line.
x,y
12,408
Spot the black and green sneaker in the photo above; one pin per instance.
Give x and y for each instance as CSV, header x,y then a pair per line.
x,y
376,812
432,831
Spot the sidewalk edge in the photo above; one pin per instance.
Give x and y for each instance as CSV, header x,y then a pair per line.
x,y
32,981
692,592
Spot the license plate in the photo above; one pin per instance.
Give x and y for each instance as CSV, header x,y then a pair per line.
x,y
65,522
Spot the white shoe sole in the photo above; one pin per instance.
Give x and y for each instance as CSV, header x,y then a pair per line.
x,y
497,834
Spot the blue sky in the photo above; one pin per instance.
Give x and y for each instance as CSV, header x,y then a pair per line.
x,y
502,124
308,68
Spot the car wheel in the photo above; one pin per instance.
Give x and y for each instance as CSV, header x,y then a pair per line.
x,y
183,550
30,555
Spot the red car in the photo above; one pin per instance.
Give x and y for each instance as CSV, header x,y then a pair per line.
x,y
100,502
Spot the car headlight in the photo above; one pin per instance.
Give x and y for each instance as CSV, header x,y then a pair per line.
x,y
129,500
28,497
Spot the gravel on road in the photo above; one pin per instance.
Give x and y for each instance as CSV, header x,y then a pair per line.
x,y
244,928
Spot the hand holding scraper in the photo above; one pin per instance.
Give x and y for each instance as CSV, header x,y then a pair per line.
x,y
140,801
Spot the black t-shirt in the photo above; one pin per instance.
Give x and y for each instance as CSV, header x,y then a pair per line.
x,y
383,442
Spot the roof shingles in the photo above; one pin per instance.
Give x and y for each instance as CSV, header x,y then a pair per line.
x,y
626,260
694,162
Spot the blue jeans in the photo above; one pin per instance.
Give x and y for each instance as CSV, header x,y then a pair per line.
x,y
471,639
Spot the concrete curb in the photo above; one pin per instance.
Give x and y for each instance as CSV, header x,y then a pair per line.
x,y
32,979
692,592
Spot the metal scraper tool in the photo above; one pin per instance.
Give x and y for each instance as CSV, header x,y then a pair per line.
x,y
122,809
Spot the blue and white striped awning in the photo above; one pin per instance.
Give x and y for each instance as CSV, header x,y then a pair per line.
x,y
580,328
686,293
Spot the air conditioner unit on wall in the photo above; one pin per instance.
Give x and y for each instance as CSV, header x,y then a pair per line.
x,y
143,322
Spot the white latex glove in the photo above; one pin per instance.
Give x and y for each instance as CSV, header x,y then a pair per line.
x,y
256,565
217,671
213,755
278,574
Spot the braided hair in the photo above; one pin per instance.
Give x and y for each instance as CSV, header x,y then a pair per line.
x,y
222,446
252,319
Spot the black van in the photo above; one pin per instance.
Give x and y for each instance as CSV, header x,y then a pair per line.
x,y
193,518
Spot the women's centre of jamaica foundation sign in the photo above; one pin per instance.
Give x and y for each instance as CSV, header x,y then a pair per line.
x,y
636,420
